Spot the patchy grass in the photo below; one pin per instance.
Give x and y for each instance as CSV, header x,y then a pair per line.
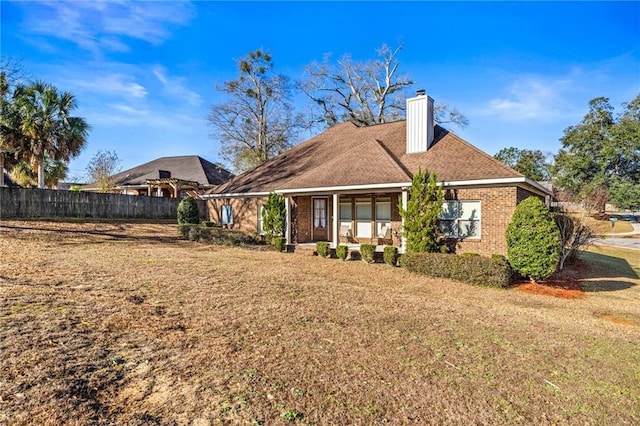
x,y
602,227
127,324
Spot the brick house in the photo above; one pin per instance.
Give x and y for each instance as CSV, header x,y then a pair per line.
x,y
345,185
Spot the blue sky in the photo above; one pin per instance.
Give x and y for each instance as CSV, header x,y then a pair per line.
x,y
144,73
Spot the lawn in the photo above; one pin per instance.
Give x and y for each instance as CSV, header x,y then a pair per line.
x,y
126,324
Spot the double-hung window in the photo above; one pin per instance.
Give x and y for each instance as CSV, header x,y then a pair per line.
x,y
460,219
345,215
260,224
383,216
363,217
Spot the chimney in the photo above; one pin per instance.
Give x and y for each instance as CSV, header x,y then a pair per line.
x,y
419,123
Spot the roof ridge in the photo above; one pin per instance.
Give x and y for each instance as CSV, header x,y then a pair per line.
x,y
490,157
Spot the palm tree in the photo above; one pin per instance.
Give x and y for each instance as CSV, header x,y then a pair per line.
x,y
47,125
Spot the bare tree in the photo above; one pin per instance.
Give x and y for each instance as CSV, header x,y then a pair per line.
x,y
574,234
257,121
101,168
364,93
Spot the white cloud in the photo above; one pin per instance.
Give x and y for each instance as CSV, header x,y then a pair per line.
x,y
176,86
98,25
530,98
112,85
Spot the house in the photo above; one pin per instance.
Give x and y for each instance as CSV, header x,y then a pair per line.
x,y
168,177
345,185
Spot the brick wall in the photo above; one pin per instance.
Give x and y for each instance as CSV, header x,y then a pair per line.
x,y
497,205
245,212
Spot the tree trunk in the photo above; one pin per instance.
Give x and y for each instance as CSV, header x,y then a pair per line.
x,y
1,169
41,172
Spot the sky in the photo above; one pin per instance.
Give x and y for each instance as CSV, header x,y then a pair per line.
x,y
144,73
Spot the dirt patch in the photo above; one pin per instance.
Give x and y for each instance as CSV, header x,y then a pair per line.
x,y
623,319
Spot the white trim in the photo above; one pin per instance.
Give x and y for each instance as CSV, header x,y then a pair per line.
x,y
382,187
287,232
335,219
236,195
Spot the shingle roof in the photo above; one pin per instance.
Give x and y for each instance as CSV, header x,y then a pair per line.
x,y
188,167
350,155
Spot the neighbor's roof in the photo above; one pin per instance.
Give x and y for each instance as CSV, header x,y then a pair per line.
x,y
348,155
188,167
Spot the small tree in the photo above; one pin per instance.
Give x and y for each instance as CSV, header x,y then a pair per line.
x,y
421,216
101,168
574,234
188,212
533,240
274,216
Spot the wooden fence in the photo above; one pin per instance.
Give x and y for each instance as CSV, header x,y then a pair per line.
x,y
47,203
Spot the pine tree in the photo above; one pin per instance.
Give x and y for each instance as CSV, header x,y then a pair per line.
x,y
421,216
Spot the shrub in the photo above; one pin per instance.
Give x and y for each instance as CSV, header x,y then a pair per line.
x,y
342,252
470,254
476,270
367,251
274,216
533,240
390,255
207,223
188,211
216,235
496,257
194,233
322,247
421,216
183,230
280,243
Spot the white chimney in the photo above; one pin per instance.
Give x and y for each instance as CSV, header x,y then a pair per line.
x,y
419,123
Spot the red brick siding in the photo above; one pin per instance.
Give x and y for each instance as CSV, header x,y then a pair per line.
x,y
245,212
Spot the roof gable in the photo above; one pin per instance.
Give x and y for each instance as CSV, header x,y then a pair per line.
x,y
347,155
190,168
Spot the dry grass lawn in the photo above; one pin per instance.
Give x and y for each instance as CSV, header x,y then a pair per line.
x,y
107,324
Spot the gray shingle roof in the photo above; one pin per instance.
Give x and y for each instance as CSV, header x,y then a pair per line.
x,y
188,167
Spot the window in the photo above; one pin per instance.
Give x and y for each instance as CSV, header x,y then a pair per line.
x,y
260,226
345,214
164,174
320,212
460,219
383,215
226,215
363,217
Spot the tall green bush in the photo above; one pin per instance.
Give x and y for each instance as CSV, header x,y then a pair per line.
x,y
322,247
342,252
421,216
188,211
533,240
367,252
274,216
390,255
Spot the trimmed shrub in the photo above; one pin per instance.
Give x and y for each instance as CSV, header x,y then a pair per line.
x,y
322,247
207,223
533,240
280,243
342,252
470,254
367,252
188,211
390,255
476,270
216,235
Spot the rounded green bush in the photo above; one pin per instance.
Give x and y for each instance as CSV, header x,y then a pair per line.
x,y
533,240
342,252
188,211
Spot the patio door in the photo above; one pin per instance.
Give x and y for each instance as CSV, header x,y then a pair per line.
x,y
320,230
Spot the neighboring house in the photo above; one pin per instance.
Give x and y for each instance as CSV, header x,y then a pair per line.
x,y
168,177
346,184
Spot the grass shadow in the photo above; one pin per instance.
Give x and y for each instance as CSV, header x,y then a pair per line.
x,y
602,272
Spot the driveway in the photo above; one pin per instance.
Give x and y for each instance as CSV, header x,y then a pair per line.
x,y
615,240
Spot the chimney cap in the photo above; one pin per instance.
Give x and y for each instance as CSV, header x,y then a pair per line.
x,y
420,92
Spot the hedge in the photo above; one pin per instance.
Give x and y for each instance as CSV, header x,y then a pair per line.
x,y
322,247
342,252
216,235
367,252
476,270
390,255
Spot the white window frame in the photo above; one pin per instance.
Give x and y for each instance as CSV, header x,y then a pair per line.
x,y
259,226
382,221
458,218
363,225
343,220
